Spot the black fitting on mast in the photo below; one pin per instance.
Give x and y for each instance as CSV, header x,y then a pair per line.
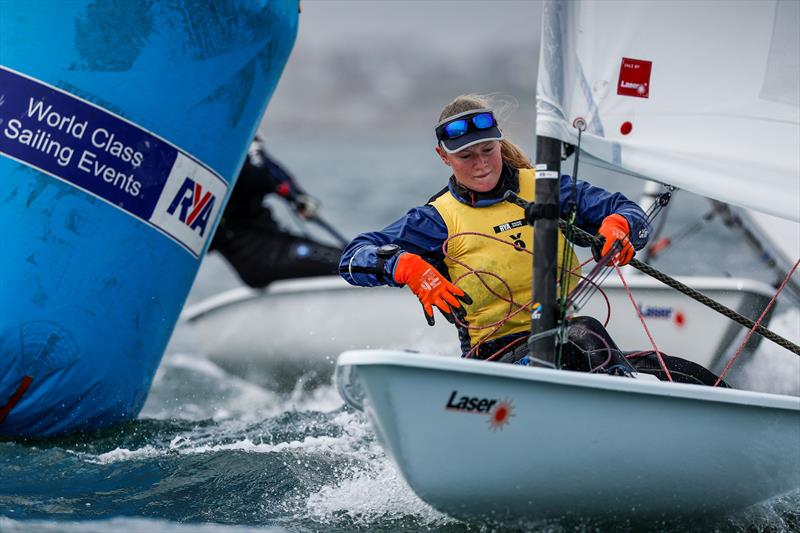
x,y
534,212
544,310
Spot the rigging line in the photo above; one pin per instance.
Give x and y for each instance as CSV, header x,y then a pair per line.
x,y
333,232
579,298
758,322
652,250
299,223
659,205
716,306
660,201
690,229
644,324
581,294
698,297
567,253
599,273
732,220
567,258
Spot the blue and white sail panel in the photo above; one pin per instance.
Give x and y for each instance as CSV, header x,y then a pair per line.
x,y
702,95
122,129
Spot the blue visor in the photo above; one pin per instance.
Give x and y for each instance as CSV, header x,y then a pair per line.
x,y
466,129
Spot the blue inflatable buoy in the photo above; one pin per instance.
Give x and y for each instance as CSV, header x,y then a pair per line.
x,y
122,128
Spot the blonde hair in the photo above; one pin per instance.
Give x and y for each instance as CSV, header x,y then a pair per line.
x,y
511,153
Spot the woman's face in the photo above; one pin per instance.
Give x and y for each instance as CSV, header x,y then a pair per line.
x,y
478,167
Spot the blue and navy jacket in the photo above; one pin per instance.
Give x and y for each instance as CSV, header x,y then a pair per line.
x,y
422,230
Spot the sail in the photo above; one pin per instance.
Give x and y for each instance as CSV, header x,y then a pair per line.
x,y
123,126
701,95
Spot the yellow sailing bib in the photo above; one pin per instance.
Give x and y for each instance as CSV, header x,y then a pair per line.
x,y
494,242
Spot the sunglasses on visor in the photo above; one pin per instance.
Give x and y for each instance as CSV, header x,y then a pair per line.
x,y
463,125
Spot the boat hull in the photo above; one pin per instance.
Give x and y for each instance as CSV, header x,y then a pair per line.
x,y
571,443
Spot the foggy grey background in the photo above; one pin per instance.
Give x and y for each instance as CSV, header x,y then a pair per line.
x,y
385,66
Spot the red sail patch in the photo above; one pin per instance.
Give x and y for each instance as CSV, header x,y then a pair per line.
x,y
634,78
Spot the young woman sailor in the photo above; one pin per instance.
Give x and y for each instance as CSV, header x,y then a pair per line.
x,y
485,233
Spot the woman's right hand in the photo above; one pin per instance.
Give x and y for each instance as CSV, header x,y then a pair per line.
x,y
430,286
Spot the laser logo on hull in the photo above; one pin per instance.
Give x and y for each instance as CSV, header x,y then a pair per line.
x,y
499,411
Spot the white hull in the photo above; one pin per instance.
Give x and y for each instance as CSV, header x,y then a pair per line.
x,y
300,326
575,443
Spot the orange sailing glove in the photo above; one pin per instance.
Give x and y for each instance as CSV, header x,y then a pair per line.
x,y
430,286
615,229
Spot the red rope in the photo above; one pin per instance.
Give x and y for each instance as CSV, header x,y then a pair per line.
x,y
9,405
470,272
596,286
510,298
641,319
499,352
755,326
634,355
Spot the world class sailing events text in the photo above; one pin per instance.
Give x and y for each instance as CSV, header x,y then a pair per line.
x,y
40,125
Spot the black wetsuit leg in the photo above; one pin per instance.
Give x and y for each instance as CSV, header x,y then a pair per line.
x,y
261,252
590,347
681,370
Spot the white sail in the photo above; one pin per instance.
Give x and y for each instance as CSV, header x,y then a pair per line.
x,y
702,95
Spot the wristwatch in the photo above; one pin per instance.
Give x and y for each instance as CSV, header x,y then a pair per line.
x,y
385,252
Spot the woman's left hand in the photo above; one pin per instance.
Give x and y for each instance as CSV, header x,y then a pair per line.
x,y
615,229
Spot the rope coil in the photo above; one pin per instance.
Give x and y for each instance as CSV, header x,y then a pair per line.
x,y
514,306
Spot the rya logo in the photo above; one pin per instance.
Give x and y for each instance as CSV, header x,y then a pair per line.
x,y
195,205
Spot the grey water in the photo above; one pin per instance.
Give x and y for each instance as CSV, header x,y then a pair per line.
x,y
215,452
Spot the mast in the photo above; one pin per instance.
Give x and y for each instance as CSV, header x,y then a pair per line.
x,y
544,312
